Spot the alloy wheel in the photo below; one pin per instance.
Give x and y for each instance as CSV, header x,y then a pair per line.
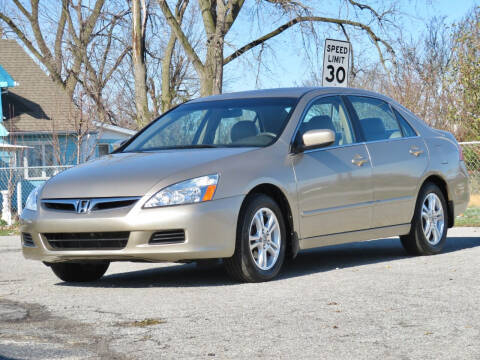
x,y
433,219
265,238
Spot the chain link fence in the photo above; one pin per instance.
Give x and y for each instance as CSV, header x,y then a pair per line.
x,y
16,183
471,155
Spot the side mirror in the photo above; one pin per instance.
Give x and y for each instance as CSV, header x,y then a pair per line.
x,y
313,139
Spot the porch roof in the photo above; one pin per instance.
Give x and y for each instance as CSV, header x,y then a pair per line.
x,y
6,80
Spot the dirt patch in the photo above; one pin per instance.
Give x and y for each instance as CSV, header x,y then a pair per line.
x,y
474,200
30,331
144,323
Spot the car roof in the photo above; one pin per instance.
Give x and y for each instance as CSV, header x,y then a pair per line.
x,y
298,92
295,92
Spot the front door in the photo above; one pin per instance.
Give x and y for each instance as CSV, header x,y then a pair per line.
x,y
334,183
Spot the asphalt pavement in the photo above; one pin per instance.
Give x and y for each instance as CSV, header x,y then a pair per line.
x,y
356,301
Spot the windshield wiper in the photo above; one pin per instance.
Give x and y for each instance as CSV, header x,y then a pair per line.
x,y
193,146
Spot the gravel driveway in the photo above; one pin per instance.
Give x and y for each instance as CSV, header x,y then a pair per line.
x,y
358,301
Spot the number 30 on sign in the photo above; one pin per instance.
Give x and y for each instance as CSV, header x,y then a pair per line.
x,y
336,64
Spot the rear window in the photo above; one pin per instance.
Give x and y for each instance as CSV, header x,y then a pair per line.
x,y
376,118
407,129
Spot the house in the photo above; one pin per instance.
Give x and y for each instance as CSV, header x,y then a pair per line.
x,y
39,113
49,130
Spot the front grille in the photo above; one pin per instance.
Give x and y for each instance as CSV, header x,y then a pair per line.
x,y
167,237
88,240
27,240
62,206
94,204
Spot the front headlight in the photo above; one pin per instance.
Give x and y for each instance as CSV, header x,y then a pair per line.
x,y
31,203
186,192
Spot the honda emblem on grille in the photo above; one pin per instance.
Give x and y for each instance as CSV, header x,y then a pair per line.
x,y
83,206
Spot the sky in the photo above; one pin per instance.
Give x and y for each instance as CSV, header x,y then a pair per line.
x,y
285,56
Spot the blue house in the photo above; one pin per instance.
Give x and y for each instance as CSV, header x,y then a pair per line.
x,y
45,128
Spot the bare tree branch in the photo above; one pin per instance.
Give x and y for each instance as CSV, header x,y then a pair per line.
x,y
167,96
176,28
364,6
352,58
207,8
59,36
375,39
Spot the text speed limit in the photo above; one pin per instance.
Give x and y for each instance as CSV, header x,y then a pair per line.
x,y
336,63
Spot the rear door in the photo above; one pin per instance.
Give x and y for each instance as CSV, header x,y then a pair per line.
x,y
333,183
398,156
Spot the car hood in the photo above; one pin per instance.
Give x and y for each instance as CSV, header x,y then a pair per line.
x,y
130,174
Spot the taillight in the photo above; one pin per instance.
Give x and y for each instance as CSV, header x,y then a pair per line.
x,y
460,153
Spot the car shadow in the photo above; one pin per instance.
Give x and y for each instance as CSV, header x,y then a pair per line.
x,y
307,262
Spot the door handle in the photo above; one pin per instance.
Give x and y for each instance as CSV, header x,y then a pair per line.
x,y
359,160
415,151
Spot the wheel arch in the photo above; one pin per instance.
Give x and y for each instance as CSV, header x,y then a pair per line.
x,y
442,184
281,199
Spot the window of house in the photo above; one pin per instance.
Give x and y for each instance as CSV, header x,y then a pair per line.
x,y
103,149
39,161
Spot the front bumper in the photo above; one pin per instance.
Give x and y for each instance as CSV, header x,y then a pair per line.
x,y
210,231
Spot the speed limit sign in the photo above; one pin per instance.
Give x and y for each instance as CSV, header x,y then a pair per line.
x,y
336,55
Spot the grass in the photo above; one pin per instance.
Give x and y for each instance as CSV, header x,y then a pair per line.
x,y
471,217
9,230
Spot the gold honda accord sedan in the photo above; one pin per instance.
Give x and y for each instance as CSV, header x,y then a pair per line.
x,y
252,178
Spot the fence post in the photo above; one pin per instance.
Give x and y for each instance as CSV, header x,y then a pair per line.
x,y
6,207
19,197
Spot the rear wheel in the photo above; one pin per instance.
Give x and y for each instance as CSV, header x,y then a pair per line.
x,y
80,272
428,232
261,241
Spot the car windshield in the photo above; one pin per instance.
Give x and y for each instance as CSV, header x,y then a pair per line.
x,y
224,123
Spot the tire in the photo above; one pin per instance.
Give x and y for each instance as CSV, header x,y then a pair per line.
x,y
79,272
416,242
248,265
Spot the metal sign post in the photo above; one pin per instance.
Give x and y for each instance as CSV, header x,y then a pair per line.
x,y
336,63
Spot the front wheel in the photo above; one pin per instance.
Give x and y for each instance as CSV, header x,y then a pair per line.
x,y
428,233
261,241
80,272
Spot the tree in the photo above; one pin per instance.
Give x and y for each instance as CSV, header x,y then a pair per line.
x,y
219,16
420,78
36,43
139,20
92,43
169,82
465,102
83,39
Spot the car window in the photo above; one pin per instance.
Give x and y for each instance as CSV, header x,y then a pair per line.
x,y
239,122
182,131
376,118
407,129
329,113
240,119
